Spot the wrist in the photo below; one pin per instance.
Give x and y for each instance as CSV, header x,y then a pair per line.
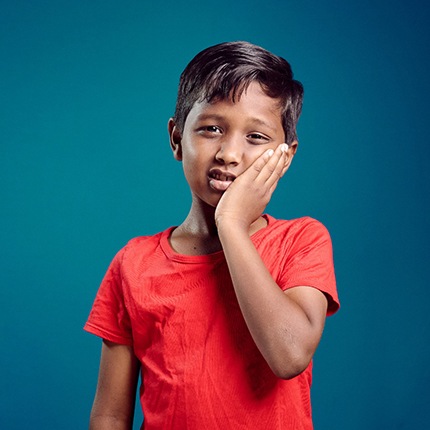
x,y
230,225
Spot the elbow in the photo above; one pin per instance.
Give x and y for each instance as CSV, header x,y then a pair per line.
x,y
288,368
289,372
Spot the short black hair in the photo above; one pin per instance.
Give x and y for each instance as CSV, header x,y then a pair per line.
x,y
225,70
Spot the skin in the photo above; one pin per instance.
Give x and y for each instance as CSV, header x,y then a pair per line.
x,y
233,157
113,407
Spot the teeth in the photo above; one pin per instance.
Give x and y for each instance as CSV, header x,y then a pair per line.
x,y
222,177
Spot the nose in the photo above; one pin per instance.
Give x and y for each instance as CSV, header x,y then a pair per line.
x,y
230,152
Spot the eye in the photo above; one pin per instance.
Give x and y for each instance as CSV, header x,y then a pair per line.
x,y
257,138
209,130
213,129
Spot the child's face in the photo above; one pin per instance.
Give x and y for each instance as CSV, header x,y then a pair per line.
x,y
222,139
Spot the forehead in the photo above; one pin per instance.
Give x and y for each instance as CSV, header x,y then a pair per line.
x,y
251,104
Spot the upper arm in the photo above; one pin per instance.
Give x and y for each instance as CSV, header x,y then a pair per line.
x,y
116,387
313,303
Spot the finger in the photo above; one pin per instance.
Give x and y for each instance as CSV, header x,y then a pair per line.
x,y
283,162
258,165
273,181
263,166
275,167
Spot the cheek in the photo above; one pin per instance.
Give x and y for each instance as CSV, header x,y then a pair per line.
x,y
192,166
257,151
190,159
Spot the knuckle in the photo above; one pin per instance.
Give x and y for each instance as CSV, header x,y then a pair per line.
x,y
257,167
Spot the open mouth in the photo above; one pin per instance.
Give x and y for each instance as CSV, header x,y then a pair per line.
x,y
220,176
219,180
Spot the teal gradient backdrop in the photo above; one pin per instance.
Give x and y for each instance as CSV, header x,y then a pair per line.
x,y
86,88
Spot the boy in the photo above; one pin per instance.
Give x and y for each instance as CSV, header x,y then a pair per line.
x,y
223,313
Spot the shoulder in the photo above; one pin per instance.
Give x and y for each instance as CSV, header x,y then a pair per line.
x,y
295,238
306,256
302,241
296,223
140,247
142,242
304,229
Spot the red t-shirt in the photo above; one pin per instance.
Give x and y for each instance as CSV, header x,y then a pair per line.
x,y
200,367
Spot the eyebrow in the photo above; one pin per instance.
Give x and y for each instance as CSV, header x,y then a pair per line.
x,y
206,116
259,121
215,117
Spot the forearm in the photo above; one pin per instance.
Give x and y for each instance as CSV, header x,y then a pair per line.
x,y
282,331
113,407
110,422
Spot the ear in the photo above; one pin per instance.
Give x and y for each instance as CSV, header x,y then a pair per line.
x,y
290,155
175,139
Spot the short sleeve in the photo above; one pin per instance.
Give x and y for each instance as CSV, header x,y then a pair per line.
x,y
309,262
109,318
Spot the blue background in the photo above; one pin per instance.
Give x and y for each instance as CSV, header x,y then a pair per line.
x,y
86,88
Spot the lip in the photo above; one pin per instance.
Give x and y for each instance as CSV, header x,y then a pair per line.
x,y
220,180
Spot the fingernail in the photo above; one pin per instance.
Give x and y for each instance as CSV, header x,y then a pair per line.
x,y
284,147
270,152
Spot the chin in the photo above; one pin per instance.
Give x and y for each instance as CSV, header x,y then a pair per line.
x,y
211,202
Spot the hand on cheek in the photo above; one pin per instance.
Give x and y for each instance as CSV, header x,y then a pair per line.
x,y
247,197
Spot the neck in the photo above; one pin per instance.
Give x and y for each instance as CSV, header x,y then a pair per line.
x,y
200,225
198,234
